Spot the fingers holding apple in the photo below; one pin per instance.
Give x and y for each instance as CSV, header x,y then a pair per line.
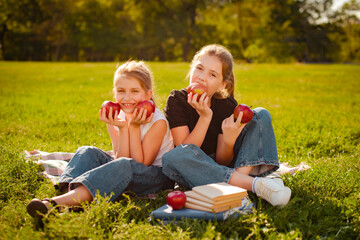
x,y
176,200
196,88
139,116
111,108
247,113
194,99
143,113
238,119
102,115
202,106
148,106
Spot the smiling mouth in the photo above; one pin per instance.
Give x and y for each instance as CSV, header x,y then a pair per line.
x,y
128,105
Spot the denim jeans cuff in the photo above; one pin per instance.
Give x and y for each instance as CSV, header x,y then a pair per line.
x,y
268,172
65,180
77,181
228,175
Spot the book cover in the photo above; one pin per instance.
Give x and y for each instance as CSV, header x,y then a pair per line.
x,y
220,191
167,214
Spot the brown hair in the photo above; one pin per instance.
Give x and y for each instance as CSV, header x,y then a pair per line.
x,y
137,70
226,60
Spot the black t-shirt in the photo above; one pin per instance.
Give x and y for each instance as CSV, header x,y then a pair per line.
x,y
179,113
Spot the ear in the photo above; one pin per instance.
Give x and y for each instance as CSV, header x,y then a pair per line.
x,y
223,86
149,94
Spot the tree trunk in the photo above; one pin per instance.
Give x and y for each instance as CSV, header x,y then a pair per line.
x,y
187,45
57,52
4,29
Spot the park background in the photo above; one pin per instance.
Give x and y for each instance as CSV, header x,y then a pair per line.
x,y
58,60
172,30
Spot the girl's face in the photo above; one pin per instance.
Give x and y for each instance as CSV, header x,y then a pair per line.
x,y
129,92
207,71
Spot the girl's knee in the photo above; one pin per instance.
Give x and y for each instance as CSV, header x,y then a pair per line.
x,y
89,152
262,113
124,162
83,149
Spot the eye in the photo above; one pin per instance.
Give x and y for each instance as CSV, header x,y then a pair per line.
x,y
213,75
198,67
120,91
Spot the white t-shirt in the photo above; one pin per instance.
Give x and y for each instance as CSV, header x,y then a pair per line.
x,y
167,143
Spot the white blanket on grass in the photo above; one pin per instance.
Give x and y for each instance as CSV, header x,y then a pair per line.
x,y
54,164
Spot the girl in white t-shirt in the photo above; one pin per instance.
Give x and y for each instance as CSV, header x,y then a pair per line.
x,y
138,143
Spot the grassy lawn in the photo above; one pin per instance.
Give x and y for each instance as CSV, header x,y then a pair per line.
x,y
316,115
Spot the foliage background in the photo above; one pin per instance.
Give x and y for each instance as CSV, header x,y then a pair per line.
x,y
172,30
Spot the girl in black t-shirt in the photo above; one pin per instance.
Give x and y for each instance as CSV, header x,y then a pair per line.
x,y
211,145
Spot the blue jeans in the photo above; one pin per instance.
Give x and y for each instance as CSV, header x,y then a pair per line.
x,y
256,146
97,171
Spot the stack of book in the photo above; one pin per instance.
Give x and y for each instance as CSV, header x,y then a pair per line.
x,y
216,201
215,197
166,214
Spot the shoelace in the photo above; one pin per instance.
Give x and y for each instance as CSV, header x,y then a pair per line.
x,y
266,190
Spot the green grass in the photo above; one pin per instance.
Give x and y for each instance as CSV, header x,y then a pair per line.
x,y
316,116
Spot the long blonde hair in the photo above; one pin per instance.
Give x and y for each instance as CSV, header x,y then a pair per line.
x,y
226,60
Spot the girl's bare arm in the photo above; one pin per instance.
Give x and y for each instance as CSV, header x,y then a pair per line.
x,y
182,134
225,147
118,132
145,151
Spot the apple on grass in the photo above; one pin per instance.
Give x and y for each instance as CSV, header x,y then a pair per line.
x,y
247,113
148,105
196,88
115,107
176,200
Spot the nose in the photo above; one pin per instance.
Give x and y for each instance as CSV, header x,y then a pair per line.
x,y
126,96
201,77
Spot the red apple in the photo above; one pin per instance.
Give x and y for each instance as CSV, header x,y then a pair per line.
x,y
148,105
176,199
247,113
115,107
196,88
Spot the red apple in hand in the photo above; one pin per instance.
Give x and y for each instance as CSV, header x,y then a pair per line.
x,y
247,113
148,105
196,88
176,199
115,107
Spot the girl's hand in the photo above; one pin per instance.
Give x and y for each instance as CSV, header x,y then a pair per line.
x,y
115,121
232,129
139,117
201,106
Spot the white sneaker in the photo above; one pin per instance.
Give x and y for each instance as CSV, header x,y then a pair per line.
x,y
279,181
273,191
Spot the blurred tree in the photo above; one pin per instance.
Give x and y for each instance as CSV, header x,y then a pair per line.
x,y
101,29
18,37
346,33
168,26
288,32
218,23
251,16
108,30
52,27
